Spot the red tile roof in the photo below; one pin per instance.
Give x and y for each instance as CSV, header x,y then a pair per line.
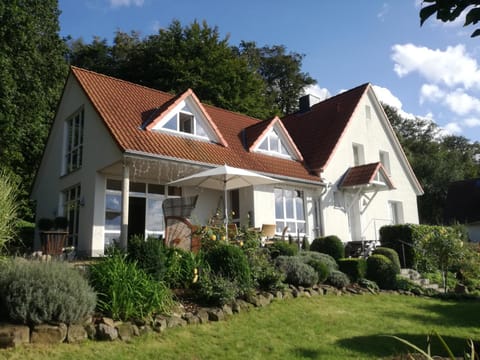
x,y
126,107
365,175
318,131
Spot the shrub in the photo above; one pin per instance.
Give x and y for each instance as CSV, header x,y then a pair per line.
x,y
330,245
8,208
22,242
321,269
381,270
355,268
338,279
324,258
305,244
149,255
126,291
368,284
180,267
36,292
214,289
264,274
391,254
229,262
279,248
296,271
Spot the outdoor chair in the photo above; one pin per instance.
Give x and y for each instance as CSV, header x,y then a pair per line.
x,y
178,229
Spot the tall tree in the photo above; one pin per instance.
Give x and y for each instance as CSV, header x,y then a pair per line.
x,y
450,10
32,72
260,82
436,160
281,72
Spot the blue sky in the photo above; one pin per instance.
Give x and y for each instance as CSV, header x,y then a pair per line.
x,y
430,71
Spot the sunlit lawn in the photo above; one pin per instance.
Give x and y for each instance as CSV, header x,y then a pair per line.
x,y
329,327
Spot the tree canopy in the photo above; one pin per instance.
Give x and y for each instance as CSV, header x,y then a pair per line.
x,y
450,10
436,159
32,73
260,82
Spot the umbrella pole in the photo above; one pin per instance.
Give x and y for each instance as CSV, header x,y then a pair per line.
x,y
225,208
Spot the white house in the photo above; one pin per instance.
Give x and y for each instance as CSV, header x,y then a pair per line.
x,y
114,146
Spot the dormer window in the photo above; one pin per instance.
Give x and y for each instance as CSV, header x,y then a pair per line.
x,y
273,144
185,122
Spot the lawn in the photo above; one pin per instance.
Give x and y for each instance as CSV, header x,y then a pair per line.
x,y
328,327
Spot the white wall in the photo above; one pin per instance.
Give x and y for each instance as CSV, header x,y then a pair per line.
x,y
99,151
375,136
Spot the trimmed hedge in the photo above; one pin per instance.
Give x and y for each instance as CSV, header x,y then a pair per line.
x,y
355,268
391,254
324,258
338,279
331,245
381,270
279,248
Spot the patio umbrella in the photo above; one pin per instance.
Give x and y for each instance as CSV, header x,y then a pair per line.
x,y
224,178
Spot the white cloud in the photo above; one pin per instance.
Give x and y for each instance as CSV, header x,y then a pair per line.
x,y
462,103
430,92
451,67
472,122
127,3
452,128
385,96
316,90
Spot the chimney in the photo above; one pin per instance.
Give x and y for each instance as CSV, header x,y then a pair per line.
x,y
307,101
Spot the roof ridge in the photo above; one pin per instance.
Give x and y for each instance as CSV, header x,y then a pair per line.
x,y
356,88
122,80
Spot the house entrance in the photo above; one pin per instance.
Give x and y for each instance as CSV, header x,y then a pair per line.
x,y
136,216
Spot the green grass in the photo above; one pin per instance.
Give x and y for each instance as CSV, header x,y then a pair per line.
x,y
329,327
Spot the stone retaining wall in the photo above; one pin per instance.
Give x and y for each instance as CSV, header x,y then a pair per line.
x,y
106,329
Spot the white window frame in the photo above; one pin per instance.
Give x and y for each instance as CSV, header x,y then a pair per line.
x,y
358,154
194,126
115,233
295,220
395,209
73,143
274,147
385,160
71,210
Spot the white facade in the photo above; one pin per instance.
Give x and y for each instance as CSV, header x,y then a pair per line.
x,y
355,215
308,209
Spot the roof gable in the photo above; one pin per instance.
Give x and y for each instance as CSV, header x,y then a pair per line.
x,y
271,138
318,131
371,175
196,121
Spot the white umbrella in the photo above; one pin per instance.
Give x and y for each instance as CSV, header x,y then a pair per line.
x,y
224,178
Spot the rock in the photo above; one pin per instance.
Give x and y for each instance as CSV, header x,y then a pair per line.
x,y
106,332
306,294
91,331
278,295
76,333
144,329
202,316
126,331
296,293
14,335
107,321
215,314
49,334
174,321
260,301
159,324
227,309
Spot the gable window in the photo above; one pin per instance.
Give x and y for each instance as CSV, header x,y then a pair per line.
x,y
74,141
396,212
358,154
71,210
385,160
273,144
186,123
289,211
